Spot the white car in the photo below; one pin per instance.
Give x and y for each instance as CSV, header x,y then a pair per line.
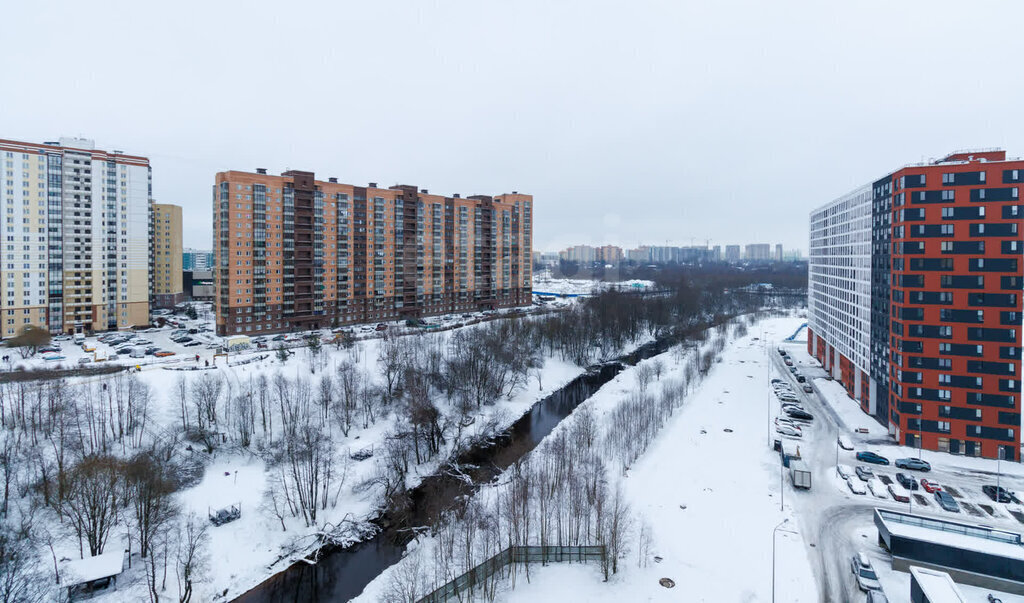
x,y
867,579
845,443
788,430
856,486
844,471
785,421
877,488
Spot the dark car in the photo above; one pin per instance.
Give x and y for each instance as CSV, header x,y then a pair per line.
x,y
152,350
799,414
912,463
906,481
278,338
946,501
997,493
801,379
50,349
870,457
789,362
782,352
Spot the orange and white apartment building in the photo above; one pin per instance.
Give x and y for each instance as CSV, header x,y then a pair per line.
x,y
296,253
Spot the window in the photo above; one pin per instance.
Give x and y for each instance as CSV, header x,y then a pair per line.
x,y
943,426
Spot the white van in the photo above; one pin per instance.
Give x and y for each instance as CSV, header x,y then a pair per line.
x,y
79,338
139,352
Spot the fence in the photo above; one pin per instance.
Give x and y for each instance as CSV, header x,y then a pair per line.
x,y
515,554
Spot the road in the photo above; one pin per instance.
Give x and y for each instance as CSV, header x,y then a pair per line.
x,y
833,520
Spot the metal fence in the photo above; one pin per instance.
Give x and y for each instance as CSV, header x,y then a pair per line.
x,y
515,554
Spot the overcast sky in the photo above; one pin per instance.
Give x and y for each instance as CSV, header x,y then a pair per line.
x,y
630,122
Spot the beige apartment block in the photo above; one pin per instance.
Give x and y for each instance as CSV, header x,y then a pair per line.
x,y
167,255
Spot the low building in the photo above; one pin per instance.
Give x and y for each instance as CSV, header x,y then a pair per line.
x,y
83,577
198,285
933,586
969,553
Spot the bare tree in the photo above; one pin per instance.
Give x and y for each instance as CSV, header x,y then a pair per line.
x,y
92,500
191,559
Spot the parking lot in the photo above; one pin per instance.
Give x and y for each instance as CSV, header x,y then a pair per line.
x,y
836,518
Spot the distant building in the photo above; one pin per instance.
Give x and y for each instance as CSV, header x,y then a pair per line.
x,y
167,256
732,253
196,259
778,253
581,254
759,252
198,284
609,254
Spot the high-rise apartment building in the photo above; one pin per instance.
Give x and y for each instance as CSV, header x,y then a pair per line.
x,y
293,252
167,255
732,253
759,252
196,259
915,301
75,253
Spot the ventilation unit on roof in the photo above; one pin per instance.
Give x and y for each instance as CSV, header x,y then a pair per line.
x,y
373,185
261,171
332,180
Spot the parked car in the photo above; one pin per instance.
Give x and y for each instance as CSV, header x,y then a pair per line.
x,y
876,596
877,488
782,352
799,414
864,473
792,369
785,421
906,481
163,354
807,388
152,350
193,343
50,349
930,486
946,501
844,471
871,457
776,380
914,464
856,486
801,379
899,493
997,493
788,430
278,338
789,362
53,357
867,579
844,442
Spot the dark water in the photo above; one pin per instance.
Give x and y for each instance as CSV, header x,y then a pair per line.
x,y
342,573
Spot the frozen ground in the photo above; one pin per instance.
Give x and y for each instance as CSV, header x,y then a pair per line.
x,y
710,496
546,283
245,552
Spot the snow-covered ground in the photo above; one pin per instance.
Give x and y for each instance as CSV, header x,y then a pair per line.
x,y
708,487
248,550
544,282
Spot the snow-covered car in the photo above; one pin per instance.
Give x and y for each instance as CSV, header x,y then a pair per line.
x,y
808,389
856,486
844,442
785,421
864,473
844,471
867,579
898,493
788,430
877,488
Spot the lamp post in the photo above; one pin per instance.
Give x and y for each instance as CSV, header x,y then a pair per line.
x,y
774,532
999,473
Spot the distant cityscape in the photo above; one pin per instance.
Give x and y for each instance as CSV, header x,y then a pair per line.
x,y
665,254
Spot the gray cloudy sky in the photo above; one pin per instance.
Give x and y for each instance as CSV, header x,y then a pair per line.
x,y
629,122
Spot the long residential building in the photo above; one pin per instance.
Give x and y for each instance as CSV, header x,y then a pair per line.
x,y
914,301
76,251
294,253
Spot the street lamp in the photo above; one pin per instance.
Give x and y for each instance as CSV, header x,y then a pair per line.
x,y
774,532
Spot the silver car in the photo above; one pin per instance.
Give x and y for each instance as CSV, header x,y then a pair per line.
x,y
867,579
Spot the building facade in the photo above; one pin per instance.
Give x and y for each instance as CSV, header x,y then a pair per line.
x,y
295,253
915,301
196,259
76,252
167,256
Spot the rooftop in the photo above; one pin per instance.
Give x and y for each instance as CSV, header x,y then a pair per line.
x,y
79,571
951,533
937,586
